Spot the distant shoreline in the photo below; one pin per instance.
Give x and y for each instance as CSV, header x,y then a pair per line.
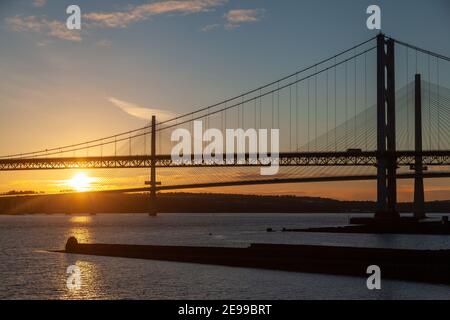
x,y
113,203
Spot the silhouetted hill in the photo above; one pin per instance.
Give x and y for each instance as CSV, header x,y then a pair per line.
x,y
187,202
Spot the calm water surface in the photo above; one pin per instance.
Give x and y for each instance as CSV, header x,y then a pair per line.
x,y
28,271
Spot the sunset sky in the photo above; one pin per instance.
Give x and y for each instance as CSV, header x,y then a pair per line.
x,y
131,60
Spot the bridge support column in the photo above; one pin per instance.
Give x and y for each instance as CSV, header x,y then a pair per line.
x,y
153,200
386,142
419,195
391,129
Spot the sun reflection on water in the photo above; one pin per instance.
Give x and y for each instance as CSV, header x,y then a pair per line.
x,y
90,281
80,228
90,278
81,219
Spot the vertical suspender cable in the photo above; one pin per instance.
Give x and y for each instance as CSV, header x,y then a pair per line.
x,y
315,107
278,105
160,151
407,98
145,143
365,99
242,107
238,109
224,112
439,105
308,116
290,118
296,112
222,127
354,122
335,105
346,105
327,112
429,100
260,108
273,110
255,114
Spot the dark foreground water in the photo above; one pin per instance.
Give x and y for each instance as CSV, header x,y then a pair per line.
x,y
27,271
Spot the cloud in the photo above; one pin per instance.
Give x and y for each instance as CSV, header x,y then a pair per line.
x,y
55,29
121,19
30,23
60,31
238,16
141,112
132,14
39,3
234,18
116,19
210,27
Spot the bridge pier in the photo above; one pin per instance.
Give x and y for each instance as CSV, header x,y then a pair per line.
x,y
386,142
153,199
419,195
381,127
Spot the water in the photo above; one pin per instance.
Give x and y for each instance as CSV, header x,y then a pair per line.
x,y
29,271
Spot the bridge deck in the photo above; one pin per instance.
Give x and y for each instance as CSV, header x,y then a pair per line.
x,y
404,158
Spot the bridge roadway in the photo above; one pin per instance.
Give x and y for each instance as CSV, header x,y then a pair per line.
x,y
336,159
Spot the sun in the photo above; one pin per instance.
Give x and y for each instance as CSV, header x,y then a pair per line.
x,y
80,182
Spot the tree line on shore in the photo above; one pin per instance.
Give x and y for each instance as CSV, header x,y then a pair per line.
x,y
190,203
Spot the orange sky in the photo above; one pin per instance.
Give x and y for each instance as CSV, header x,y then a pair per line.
x,y
59,180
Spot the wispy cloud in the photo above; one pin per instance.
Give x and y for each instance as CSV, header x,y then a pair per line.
x,y
39,3
141,112
211,27
239,16
115,19
235,18
60,31
55,29
121,19
19,23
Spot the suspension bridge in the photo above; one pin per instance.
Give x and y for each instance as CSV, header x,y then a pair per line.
x,y
377,111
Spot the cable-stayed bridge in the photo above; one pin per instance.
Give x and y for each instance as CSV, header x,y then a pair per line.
x,y
379,110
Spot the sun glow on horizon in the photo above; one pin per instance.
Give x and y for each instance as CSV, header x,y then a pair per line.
x,y
80,182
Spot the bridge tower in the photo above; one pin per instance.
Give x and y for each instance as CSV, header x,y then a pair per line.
x,y
419,197
386,141
152,182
